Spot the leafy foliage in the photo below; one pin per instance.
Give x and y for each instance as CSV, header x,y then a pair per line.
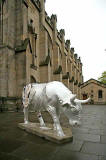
x,y
103,77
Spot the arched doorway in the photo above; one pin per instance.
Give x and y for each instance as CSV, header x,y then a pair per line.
x,y
32,79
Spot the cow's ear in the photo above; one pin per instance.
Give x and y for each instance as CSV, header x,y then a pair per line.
x,y
73,96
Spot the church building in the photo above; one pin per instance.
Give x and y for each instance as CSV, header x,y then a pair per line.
x,y
33,50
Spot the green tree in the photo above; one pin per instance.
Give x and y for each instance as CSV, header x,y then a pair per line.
x,y
103,77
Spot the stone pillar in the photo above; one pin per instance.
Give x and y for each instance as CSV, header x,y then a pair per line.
x,y
34,37
19,22
54,21
7,53
44,74
71,87
57,77
7,22
75,89
68,46
42,14
55,48
11,34
66,82
3,72
7,72
22,72
25,20
1,22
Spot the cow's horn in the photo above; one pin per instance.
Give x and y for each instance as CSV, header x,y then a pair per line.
x,y
82,101
73,97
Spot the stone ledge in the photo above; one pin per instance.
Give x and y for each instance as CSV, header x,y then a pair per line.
x,y
48,134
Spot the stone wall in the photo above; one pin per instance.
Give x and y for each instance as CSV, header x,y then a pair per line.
x,y
91,88
33,50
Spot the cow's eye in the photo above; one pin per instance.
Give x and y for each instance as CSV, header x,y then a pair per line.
x,y
61,101
66,105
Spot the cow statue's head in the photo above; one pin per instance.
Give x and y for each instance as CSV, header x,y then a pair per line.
x,y
72,108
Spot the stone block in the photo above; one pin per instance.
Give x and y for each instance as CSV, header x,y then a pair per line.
x,y
47,133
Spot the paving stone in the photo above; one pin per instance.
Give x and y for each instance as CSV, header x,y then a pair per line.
x,y
66,155
87,137
74,146
94,148
102,158
8,145
32,138
10,133
19,145
33,151
96,131
4,156
104,131
103,139
91,126
80,130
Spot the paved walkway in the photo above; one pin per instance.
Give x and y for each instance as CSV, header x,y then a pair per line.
x,y
89,140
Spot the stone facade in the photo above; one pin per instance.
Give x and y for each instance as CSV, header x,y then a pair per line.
x,y
96,90
33,50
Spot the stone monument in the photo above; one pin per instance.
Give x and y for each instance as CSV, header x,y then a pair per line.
x,y
55,98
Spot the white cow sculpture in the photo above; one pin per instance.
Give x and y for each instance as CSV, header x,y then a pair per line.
x,y
56,99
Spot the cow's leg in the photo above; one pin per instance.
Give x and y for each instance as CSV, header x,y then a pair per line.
x,y
25,115
58,115
42,123
57,126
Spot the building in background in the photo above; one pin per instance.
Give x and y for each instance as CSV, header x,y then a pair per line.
x,y
33,50
96,90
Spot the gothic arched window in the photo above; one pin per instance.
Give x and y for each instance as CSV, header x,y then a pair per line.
x,y
33,80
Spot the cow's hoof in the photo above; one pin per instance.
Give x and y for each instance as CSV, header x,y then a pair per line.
x,y
54,127
26,122
60,134
42,125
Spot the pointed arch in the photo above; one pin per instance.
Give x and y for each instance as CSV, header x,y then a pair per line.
x,y
32,79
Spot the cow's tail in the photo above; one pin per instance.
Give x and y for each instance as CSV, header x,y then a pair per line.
x,y
25,95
